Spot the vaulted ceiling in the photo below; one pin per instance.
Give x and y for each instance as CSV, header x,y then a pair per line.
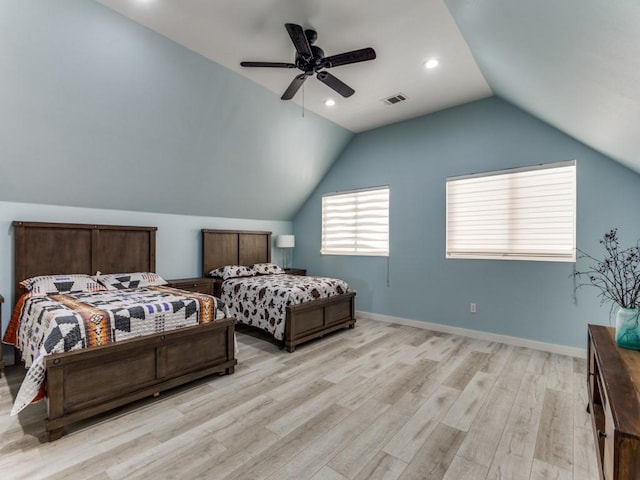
x,y
574,63
90,90
403,33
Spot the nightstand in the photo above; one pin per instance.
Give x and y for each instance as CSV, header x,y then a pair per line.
x,y
196,284
295,271
1,358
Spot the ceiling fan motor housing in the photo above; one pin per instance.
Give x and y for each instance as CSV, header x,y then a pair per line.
x,y
313,63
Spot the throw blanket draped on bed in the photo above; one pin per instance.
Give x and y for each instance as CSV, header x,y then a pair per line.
x,y
262,300
41,326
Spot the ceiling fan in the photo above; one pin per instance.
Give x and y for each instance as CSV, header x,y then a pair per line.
x,y
310,59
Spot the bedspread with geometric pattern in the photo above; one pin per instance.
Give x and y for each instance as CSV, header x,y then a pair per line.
x,y
43,325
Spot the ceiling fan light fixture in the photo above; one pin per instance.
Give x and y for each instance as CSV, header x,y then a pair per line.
x,y
329,102
431,63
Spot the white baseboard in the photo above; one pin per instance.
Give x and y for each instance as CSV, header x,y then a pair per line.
x,y
466,332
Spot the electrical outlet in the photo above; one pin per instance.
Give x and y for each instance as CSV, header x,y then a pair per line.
x,y
472,308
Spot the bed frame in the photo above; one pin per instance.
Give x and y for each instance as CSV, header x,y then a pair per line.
x,y
303,322
84,383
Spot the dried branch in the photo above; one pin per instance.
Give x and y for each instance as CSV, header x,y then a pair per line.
x,y
616,276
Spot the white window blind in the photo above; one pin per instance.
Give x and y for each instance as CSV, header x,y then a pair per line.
x,y
525,213
356,223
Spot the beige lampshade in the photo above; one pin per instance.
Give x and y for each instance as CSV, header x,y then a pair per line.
x,y
285,241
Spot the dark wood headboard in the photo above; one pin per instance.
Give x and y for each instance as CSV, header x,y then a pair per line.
x,y
61,248
234,247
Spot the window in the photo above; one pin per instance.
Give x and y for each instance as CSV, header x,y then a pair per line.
x,y
524,213
356,222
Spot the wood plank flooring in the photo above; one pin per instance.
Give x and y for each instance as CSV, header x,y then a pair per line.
x,y
377,402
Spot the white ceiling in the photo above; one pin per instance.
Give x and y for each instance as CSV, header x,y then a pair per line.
x,y
404,34
573,63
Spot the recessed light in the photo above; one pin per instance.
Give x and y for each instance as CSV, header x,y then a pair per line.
x,y
330,102
433,63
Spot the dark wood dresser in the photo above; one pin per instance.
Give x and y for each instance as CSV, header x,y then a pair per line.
x,y
196,284
614,404
295,271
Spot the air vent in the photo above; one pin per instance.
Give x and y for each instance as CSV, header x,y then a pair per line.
x,y
397,98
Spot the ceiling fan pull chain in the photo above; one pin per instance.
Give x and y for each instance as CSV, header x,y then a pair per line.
x,y
303,100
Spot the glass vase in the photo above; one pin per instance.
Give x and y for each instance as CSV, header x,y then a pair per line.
x,y
628,328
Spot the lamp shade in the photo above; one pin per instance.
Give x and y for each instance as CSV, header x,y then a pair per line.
x,y
285,241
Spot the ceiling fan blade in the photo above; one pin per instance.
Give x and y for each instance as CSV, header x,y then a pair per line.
x,y
299,39
293,87
268,64
354,56
338,85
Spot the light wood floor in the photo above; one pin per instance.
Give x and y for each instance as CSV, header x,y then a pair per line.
x,y
376,402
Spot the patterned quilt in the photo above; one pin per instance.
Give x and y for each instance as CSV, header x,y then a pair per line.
x,y
262,300
43,325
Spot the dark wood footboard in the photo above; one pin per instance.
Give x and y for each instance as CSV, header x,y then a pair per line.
x,y
315,319
85,383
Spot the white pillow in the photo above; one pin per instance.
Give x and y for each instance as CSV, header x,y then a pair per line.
x,y
232,271
54,284
121,281
266,268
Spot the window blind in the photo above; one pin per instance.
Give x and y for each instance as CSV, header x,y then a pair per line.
x,y
356,222
526,213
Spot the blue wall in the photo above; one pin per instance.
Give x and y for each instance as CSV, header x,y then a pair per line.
x,y
531,300
99,111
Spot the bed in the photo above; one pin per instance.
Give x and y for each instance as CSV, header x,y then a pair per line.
x,y
302,322
84,383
